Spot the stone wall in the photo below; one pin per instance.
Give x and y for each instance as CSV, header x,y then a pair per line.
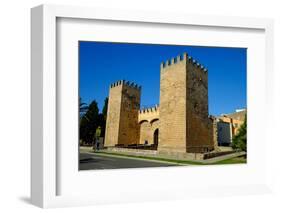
x,y
173,85
122,115
156,154
129,126
184,122
113,115
145,132
199,125
149,114
149,122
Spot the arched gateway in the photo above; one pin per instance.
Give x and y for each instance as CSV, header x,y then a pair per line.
x,y
156,137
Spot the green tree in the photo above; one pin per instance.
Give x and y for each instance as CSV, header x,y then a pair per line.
x,y
239,141
83,107
104,109
103,117
89,123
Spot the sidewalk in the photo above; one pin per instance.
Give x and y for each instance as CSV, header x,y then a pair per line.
x,y
223,157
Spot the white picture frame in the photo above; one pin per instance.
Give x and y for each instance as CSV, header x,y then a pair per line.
x,y
44,153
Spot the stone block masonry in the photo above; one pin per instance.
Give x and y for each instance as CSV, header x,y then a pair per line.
x,y
122,115
184,122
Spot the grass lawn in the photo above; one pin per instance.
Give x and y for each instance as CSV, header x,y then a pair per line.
x,y
235,160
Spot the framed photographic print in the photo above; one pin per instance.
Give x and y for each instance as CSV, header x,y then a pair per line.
x,y
129,106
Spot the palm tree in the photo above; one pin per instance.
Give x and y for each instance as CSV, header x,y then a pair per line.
x,y
83,107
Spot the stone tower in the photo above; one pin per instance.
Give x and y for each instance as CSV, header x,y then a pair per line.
x,y
122,115
184,122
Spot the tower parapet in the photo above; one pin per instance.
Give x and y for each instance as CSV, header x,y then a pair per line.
x,y
149,109
127,83
183,58
149,114
172,61
196,64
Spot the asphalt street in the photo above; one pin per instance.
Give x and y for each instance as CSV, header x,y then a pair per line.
x,y
90,161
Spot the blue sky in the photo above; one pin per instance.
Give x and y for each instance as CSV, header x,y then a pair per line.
x,y
102,63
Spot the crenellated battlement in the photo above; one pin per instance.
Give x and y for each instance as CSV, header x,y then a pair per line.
x,y
149,114
149,109
170,62
127,83
182,58
197,64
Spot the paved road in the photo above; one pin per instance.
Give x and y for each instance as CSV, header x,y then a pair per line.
x,y
95,161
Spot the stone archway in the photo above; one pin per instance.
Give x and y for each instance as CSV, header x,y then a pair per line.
x,y
156,137
145,132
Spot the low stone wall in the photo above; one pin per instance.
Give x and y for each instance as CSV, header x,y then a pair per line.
x,y
217,154
156,154
131,151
